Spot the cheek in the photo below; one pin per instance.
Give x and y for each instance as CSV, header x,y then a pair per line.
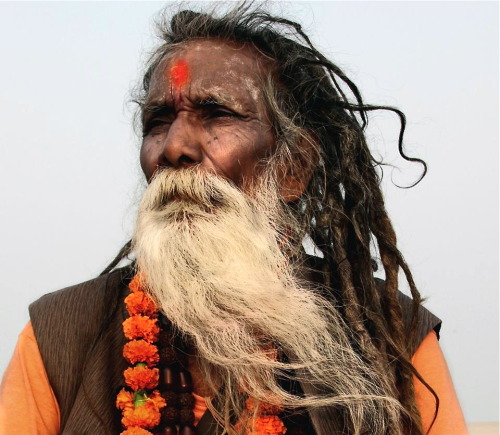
x,y
143,158
257,147
263,148
238,154
148,156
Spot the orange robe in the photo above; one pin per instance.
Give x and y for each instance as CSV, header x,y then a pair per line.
x,y
28,405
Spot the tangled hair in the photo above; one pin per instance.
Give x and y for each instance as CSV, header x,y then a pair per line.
x,y
311,101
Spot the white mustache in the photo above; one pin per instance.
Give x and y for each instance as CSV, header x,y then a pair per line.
x,y
194,185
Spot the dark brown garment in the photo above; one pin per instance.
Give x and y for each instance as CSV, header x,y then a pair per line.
x,y
79,333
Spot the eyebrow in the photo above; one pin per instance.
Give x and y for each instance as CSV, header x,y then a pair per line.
x,y
155,107
148,110
208,99
214,98
211,101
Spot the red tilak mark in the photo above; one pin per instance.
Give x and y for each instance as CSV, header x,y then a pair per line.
x,y
179,73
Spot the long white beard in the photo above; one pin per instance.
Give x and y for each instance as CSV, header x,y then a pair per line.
x,y
213,259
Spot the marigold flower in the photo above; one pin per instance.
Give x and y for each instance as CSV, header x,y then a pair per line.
x,y
140,377
124,400
157,399
140,303
135,285
138,326
136,431
268,425
137,351
264,408
145,416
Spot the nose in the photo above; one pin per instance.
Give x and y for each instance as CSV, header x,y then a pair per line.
x,y
178,145
182,145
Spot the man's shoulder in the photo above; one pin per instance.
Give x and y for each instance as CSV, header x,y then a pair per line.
x,y
77,332
426,320
79,307
91,289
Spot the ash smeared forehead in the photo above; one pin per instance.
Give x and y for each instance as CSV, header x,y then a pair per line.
x,y
214,65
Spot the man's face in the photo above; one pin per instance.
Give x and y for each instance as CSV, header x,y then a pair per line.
x,y
205,107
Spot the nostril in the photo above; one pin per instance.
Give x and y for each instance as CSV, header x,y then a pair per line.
x,y
163,162
186,161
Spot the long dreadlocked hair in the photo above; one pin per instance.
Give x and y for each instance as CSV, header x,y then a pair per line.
x,y
342,209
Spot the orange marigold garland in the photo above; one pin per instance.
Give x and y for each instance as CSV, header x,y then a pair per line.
x,y
138,326
124,399
136,431
145,412
141,406
264,408
141,377
135,284
268,425
140,303
140,351
266,422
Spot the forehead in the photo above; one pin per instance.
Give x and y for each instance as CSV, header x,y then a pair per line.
x,y
231,70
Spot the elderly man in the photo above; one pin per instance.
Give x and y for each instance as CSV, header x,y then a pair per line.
x,y
222,324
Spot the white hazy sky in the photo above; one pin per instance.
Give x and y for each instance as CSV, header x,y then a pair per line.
x,y
70,178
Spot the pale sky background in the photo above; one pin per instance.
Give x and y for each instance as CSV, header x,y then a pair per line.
x,y
70,178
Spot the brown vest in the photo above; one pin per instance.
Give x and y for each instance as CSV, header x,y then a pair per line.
x,y
79,333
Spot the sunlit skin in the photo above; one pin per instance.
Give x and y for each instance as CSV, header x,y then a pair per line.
x,y
205,107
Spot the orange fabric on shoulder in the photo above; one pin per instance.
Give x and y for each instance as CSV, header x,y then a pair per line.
x,y
430,363
27,402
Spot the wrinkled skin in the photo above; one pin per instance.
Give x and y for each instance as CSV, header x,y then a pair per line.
x,y
205,107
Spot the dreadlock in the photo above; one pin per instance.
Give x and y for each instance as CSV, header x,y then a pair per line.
x,y
342,209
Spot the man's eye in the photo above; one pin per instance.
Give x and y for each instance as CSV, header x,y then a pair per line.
x,y
155,125
157,122
221,113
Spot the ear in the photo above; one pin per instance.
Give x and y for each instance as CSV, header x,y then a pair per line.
x,y
298,170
